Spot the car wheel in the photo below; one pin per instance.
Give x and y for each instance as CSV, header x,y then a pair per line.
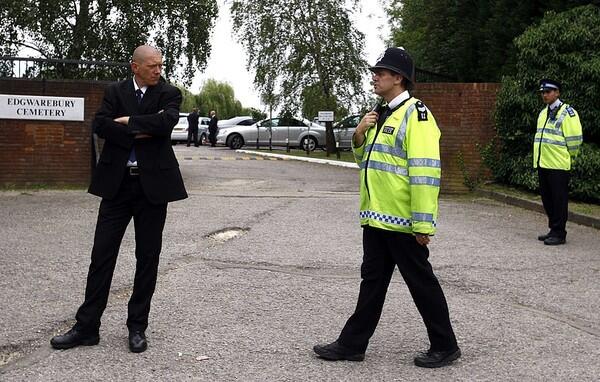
x,y
236,141
308,143
203,139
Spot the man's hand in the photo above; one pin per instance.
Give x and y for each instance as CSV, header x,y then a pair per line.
x,y
122,120
422,239
366,122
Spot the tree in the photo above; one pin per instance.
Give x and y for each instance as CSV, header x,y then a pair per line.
x,y
109,30
218,96
471,40
296,44
564,46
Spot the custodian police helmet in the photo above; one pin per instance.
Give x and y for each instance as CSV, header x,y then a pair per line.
x,y
397,60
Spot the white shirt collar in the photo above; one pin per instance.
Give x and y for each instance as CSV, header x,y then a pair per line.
x,y
555,104
136,87
399,99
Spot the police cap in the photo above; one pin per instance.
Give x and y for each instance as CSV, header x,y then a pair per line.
x,y
548,84
397,60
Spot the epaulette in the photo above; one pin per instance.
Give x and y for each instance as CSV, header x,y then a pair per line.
x,y
571,111
421,111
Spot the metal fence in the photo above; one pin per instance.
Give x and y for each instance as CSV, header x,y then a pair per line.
x,y
45,68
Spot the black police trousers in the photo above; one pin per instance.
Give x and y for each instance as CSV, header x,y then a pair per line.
x,y
554,189
383,251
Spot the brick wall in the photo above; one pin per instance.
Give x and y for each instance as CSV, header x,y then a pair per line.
x,y
59,153
55,153
464,113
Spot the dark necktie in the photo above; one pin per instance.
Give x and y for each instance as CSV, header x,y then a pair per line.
x,y
139,94
384,113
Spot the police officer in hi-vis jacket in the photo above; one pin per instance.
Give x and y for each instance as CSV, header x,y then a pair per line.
x,y
556,143
397,149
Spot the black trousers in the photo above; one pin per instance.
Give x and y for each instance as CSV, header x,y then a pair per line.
x,y
113,218
192,135
212,137
554,189
383,251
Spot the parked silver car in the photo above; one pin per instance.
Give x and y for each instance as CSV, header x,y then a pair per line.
x,y
297,131
245,120
344,130
180,131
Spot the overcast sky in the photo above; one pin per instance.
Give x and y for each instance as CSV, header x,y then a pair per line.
x,y
227,62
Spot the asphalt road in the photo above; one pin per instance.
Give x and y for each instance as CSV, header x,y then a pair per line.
x,y
262,262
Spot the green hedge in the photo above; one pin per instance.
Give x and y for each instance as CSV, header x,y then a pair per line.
x,y
564,46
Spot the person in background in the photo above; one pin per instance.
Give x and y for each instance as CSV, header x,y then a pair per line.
x,y
213,128
556,143
192,119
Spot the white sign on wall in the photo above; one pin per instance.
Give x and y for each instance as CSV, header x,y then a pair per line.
x,y
325,116
41,107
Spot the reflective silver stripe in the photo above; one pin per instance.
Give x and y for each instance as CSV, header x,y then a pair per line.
x,y
560,119
391,219
574,138
395,151
550,141
402,132
550,130
421,217
427,180
398,170
424,162
574,147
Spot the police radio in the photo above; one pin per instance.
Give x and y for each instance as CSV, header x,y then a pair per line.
x,y
377,107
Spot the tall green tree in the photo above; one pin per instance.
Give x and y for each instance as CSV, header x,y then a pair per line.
x,y
563,46
218,96
294,44
298,44
109,30
471,40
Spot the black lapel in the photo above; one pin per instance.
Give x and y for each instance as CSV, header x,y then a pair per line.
x,y
129,98
151,93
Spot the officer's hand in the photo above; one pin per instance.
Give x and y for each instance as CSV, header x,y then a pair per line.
x,y
422,239
361,130
367,121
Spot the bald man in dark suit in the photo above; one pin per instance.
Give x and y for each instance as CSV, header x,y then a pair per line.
x,y
136,176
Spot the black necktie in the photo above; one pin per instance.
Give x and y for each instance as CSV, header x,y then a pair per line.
x,y
139,94
384,113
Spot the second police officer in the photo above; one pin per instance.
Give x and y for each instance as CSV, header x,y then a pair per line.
x,y
556,143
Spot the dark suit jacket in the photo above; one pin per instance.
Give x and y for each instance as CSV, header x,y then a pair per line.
x,y
156,116
193,118
212,125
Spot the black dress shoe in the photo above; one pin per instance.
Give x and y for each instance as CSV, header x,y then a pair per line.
x,y
553,240
543,237
437,358
137,341
336,352
72,338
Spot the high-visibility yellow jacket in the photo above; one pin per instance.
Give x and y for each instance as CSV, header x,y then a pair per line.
x,y
400,171
557,139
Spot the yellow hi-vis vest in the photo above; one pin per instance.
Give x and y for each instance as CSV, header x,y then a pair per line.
x,y
400,171
557,139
